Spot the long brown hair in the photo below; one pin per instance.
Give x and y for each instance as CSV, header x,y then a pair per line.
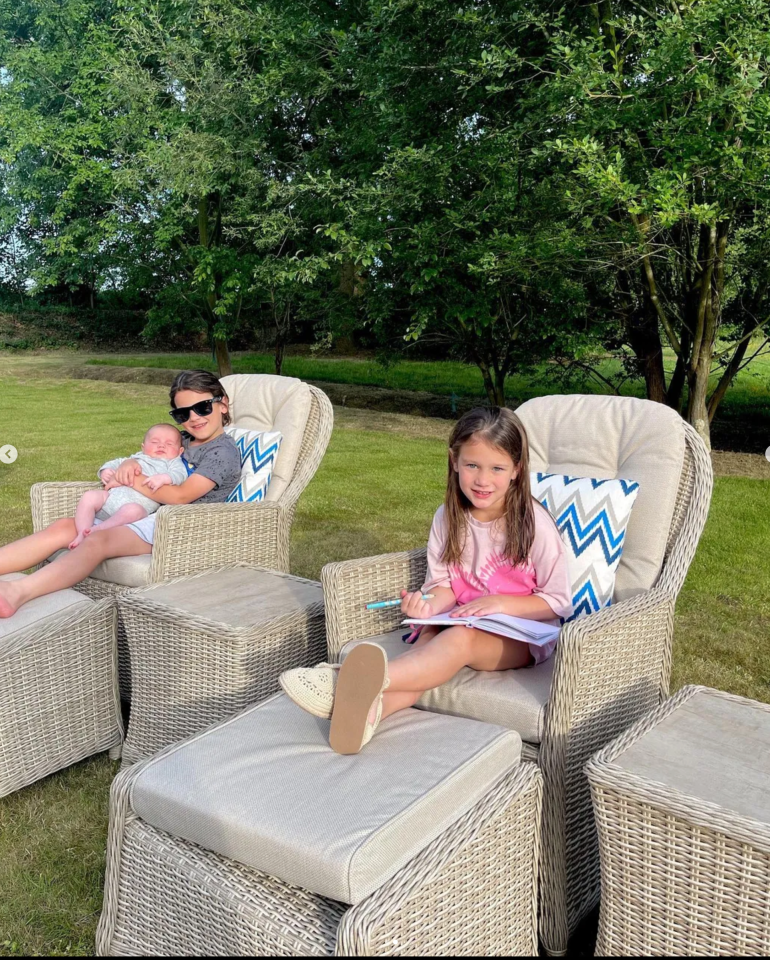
x,y
501,428
199,381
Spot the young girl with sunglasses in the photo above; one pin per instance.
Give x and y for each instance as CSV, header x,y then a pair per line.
x,y
492,549
201,407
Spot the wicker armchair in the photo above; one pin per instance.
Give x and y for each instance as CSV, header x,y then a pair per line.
x,y
610,668
193,538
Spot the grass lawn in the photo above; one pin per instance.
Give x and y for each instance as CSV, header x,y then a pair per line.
x,y
376,491
742,421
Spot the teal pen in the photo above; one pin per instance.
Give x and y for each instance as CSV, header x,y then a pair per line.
x,y
393,603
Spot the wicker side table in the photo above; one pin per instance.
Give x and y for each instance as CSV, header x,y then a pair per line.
x,y
682,805
59,698
206,646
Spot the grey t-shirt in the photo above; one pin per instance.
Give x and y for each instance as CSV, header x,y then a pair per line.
x,y
217,460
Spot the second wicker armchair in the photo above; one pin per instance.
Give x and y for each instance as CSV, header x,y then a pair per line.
x,y
194,538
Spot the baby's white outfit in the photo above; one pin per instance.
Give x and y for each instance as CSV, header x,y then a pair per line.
x,y
151,467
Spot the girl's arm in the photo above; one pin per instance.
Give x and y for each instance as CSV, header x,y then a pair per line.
x,y
123,469
192,489
531,607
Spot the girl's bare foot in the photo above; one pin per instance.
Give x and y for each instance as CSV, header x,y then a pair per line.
x,y
9,599
79,539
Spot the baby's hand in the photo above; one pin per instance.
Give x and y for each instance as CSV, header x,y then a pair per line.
x,y
481,607
107,477
156,482
412,605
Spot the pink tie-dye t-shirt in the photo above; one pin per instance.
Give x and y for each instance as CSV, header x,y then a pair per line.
x,y
483,570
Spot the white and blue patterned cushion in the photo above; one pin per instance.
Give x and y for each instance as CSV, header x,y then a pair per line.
x,y
592,517
258,451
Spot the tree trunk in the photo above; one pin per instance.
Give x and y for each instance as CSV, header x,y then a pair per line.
x,y
697,409
206,237
644,339
676,386
280,350
732,368
499,388
222,353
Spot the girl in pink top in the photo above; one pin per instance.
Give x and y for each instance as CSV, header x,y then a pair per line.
x,y
492,549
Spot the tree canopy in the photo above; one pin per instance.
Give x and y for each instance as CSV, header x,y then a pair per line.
x,y
503,181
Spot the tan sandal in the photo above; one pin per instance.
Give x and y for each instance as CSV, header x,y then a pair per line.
x,y
362,679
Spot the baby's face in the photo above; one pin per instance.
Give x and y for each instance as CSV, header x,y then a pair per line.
x,y
163,443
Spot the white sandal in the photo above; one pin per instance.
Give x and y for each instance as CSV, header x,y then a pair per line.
x,y
312,688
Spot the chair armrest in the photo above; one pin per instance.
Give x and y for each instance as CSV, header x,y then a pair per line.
x,y
348,586
197,537
54,501
612,666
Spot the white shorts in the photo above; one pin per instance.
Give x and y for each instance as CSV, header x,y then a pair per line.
x,y
144,529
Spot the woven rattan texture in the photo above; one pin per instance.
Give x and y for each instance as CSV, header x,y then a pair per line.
x,y
58,695
611,668
472,891
189,672
101,590
349,586
680,877
197,537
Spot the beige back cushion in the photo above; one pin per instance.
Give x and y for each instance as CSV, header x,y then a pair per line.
x,y
616,438
265,402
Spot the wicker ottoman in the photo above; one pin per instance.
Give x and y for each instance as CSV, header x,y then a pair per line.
x,y
255,839
682,805
59,698
207,646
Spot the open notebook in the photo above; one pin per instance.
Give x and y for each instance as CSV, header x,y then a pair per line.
x,y
517,628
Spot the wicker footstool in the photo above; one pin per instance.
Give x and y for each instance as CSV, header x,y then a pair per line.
x,y
59,698
682,805
207,646
255,839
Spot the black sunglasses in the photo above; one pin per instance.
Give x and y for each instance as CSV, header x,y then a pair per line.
x,y
203,408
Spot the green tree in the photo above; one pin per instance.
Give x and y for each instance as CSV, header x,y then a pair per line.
x,y
453,229
658,117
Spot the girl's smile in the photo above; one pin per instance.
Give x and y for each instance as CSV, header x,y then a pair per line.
x,y
485,473
202,428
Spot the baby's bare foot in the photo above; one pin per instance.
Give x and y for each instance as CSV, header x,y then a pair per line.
x,y
79,539
9,602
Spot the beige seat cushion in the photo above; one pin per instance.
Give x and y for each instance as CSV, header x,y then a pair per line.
x,y
611,438
516,699
125,571
710,750
239,596
265,789
265,402
37,611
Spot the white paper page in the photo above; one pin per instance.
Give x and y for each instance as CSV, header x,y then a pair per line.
x,y
533,628
532,631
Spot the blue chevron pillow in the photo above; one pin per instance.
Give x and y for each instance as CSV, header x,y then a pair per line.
x,y
258,452
592,516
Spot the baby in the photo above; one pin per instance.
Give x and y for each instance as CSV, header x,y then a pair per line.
x,y
160,460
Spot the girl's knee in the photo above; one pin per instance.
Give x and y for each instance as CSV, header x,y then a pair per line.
x,y
64,526
459,635
133,512
97,545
